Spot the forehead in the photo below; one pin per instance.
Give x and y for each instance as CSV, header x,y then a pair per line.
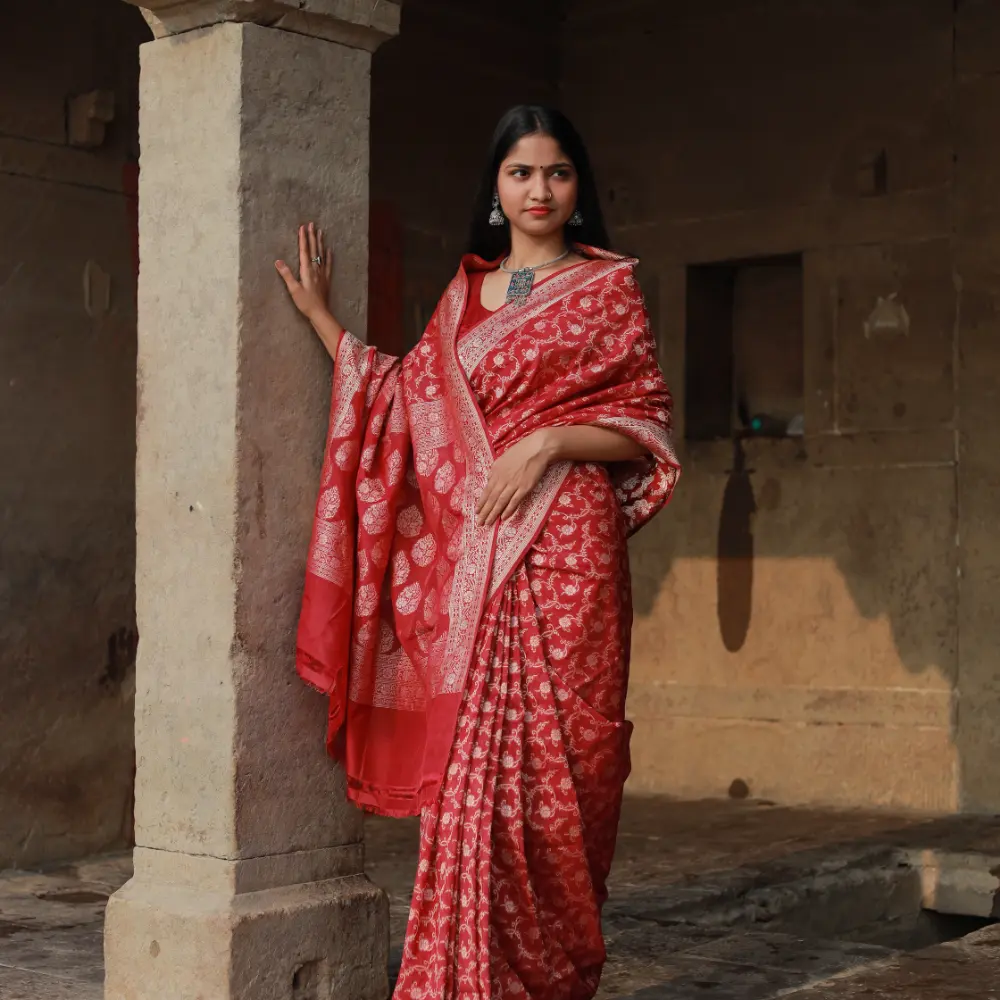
x,y
536,150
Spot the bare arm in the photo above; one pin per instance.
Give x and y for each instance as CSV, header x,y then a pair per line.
x,y
328,330
311,290
587,443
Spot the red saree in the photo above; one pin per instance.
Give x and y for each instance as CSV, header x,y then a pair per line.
x,y
479,674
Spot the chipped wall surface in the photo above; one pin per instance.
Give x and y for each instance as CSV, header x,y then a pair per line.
x,y
67,426
858,136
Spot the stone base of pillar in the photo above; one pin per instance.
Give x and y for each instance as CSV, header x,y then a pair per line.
x,y
186,928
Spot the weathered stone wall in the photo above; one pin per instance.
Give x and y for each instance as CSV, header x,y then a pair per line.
x,y
68,356
727,131
858,136
67,426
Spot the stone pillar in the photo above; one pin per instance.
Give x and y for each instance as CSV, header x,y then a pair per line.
x,y
248,861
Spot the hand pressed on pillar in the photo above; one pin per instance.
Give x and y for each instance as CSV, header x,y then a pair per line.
x,y
311,290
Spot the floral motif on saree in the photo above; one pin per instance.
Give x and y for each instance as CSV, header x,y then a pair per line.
x,y
478,674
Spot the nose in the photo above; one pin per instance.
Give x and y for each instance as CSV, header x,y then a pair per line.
x,y
541,190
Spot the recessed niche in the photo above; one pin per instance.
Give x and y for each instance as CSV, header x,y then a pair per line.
x,y
744,349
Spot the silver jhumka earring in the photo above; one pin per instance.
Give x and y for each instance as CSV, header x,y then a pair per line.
x,y
497,218
576,219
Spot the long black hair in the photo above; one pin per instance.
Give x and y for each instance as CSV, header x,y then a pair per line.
x,y
490,242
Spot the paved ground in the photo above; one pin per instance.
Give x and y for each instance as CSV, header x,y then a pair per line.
x,y
710,900
718,900
50,929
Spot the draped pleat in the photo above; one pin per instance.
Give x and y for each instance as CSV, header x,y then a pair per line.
x,y
515,851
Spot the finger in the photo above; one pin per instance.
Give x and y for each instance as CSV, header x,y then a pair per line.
x,y
489,489
501,502
321,246
491,479
511,509
491,492
494,515
486,500
303,252
313,245
286,272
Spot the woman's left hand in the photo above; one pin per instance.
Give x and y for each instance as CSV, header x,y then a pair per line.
x,y
514,475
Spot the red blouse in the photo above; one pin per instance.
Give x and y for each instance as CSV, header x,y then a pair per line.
x,y
476,312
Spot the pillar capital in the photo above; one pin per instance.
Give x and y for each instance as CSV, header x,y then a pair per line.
x,y
361,24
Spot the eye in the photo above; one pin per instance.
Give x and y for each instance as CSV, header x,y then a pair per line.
x,y
563,173
519,172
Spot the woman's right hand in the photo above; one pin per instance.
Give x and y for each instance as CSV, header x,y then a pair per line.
x,y
311,290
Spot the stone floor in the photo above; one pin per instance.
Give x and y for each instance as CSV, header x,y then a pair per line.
x,y
50,929
710,900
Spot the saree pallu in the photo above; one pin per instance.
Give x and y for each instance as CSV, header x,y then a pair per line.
x,y
477,675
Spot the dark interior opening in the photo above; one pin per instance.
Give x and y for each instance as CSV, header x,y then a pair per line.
x,y
744,349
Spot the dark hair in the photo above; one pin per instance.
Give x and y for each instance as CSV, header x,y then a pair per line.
x,y
490,242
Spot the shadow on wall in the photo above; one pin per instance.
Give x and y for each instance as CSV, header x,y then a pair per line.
x,y
823,561
792,559
761,488
797,598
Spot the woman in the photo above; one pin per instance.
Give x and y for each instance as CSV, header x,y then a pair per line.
x,y
469,563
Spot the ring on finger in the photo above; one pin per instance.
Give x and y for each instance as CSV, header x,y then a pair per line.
x,y
317,260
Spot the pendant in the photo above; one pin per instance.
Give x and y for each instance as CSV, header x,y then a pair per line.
x,y
520,286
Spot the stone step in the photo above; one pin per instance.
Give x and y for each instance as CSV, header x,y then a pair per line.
x,y
966,883
966,969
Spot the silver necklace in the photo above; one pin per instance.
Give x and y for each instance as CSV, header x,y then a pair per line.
x,y
523,279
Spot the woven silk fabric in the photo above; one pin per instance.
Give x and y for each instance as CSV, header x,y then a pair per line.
x,y
402,583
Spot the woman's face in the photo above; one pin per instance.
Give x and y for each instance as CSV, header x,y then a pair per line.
x,y
537,185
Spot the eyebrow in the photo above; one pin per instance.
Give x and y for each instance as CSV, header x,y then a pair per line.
x,y
551,166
